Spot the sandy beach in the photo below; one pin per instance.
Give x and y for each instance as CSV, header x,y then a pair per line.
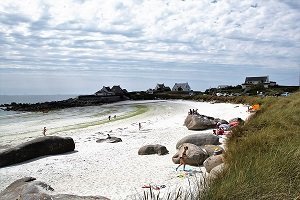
x,y
115,170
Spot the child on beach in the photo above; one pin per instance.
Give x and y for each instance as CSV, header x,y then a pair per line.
x,y
44,131
182,159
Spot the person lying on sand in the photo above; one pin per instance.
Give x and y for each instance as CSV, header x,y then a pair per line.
x,y
182,159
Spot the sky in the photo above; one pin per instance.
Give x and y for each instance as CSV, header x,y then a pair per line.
x,y
79,46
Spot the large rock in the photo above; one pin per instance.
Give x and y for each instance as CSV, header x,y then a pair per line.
x,y
153,149
201,122
48,145
195,155
212,162
29,189
212,149
199,139
216,171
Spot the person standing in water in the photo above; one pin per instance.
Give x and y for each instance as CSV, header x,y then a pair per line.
x,y
44,131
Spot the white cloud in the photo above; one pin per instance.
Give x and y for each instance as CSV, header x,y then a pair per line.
x,y
118,34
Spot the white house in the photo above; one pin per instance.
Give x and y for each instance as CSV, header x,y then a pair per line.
x,y
264,80
181,87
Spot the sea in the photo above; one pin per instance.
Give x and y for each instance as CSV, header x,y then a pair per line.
x,y
17,126
7,99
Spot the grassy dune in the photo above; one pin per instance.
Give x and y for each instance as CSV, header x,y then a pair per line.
x,y
262,157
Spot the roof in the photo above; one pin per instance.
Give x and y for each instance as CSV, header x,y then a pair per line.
x,y
160,85
117,89
183,86
180,84
257,78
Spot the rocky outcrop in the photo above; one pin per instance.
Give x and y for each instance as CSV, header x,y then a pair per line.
x,y
29,189
212,162
199,139
80,101
195,155
48,145
153,149
201,122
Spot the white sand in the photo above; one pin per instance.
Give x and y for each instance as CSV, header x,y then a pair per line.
x,y
115,170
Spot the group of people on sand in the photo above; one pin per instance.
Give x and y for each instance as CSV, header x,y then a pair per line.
x,y
193,112
226,129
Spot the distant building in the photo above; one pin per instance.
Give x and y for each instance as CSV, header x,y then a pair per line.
x,y
117,90
106,95
222,86
105,91
264,80
149,91
181,87
162,88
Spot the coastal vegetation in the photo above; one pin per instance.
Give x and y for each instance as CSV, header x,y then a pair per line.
x,y
262,157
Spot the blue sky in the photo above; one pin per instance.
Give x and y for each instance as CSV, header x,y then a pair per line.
x,y
78,46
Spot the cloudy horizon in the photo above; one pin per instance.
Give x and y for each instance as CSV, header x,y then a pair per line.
x,y
78,46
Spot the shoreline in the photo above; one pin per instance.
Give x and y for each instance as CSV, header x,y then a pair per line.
x,y
118,166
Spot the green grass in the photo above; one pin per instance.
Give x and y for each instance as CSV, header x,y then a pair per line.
x,y
262,157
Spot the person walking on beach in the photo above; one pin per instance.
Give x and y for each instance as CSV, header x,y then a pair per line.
x,y
140,126
182,159
44,131
109,117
